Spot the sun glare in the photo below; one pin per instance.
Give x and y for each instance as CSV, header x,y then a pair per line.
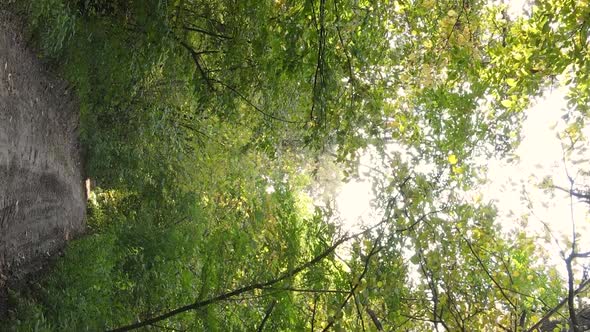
x,y
515,186
512,185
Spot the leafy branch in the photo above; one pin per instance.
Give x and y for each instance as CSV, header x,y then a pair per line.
x,y
556,308
251,104
374,250
261,285
318,80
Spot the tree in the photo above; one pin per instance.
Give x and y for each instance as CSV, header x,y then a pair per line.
x,y
201,117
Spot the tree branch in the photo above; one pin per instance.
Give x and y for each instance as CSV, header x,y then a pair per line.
x,y
315,302
247,101
551,312
571,294
196,58
581,254
375,319
304,290
359,312
205,32
485,269
581,195
266,315
262,285
374,250
319,71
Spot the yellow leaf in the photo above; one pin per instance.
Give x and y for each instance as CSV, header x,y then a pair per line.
x,y
511,82
478,197
507,103
428,4
461,40
452,159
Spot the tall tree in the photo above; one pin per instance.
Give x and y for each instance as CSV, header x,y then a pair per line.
x,y
201,119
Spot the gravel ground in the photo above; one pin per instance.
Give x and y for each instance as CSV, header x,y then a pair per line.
x,y
42,201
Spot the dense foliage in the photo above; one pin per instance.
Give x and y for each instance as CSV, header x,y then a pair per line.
x,y
205,124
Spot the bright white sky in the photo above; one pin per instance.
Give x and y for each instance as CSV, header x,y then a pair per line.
x,y
354,198
354,202
540,154
516,7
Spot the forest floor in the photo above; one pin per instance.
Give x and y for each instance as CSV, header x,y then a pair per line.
x,y
42,201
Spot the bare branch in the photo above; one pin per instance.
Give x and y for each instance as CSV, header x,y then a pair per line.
x,y
552,312
315,303
205,32
571,294
375,319
266,315
320,67
358,311
584,196
302,290
581,254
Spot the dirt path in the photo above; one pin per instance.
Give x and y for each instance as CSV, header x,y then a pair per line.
x,y
42,202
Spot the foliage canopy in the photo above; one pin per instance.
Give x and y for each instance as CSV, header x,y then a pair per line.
x,y
206,122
